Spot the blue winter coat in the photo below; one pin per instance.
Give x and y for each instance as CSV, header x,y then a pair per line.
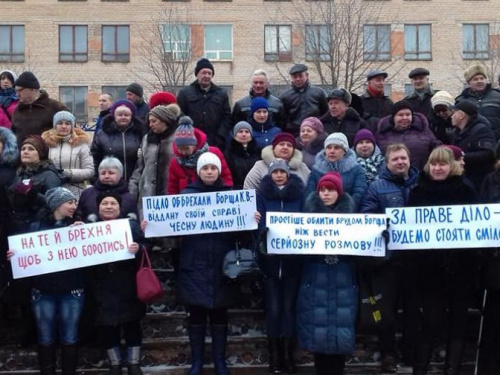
x,y
288,199
264,133
353,175
200,278
327,302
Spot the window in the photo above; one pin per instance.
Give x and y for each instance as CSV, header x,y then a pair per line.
x,y
377,42
118,92
418,42
75,98
11,43
219,42
277,43
475,41
115,43
318,41
176,41
73,44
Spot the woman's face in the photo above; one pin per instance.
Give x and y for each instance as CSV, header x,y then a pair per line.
x,y
186,150
261,115
123,116
63,128
109,176
283,150
29,155
5,83
328,196
439,171
334,152
279,177
109,209
67,209
243,136
209,174
402,119
365,148
156,125
307,134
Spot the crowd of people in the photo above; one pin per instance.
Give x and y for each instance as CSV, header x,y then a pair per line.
x,y
305,151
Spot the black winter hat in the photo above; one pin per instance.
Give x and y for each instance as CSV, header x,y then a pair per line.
x,y
403,104
100,197
136,89
28,80
203,64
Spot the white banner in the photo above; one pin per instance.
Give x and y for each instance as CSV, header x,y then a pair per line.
x,y
326,234
66,248
221,211
444,227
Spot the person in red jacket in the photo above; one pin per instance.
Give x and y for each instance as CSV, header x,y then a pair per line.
x,y
189,144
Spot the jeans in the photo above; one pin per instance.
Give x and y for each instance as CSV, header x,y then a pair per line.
x,y
48,307
281,297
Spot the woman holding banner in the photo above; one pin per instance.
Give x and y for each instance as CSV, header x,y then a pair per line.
x,y
445,276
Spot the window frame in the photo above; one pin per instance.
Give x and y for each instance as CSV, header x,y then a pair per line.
x,y
118,56
377,54
10,56
114,90
74,54
475,53
322,45
80,115
207,52
283,56
185,55
418,54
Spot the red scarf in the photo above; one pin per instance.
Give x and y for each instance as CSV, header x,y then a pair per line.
x,y
374,92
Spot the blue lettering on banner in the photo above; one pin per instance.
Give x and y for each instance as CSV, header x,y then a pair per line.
x,y
398,216
452,235
183,225
240,197
475,213
490,233
295,220
157,216
430,215
289,243
346,245
190,200
410,236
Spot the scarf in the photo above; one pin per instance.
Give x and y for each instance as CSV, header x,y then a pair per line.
x,y
371,165
373,92
190,161
7,96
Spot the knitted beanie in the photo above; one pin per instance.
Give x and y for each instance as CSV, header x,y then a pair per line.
x,y
258,103
100,197
39,144
403,104
184,134
279,164
473,71
161,98
442,98
242,125
363,134
28,80
57,196
314,123
458,153
338,139
136,89
208,158
121,103
166,113
284,137
64,115
10,75
203,64
331,180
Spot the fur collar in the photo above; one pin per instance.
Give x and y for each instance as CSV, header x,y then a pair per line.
x,y
295,162
292,190
323,165
344,205
77,138
10,152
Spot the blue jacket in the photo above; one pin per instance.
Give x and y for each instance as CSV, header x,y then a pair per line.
x,y
263,133
288,199
327,302
353,175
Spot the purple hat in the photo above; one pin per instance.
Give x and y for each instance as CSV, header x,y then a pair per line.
x,y
121,103
364,134
284,137
314,123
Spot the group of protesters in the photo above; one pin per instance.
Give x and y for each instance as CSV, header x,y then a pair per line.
x,y
306,151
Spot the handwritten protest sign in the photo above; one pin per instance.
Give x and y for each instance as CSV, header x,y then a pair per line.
x,y
444,227
67,248
327,234
221,211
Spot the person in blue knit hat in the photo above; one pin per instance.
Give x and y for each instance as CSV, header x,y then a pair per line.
x,y
264,128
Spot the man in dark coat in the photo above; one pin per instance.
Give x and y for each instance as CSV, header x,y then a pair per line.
x,y
420,98
35,111
105,102
259,88
483,95
207,104
135,93
302,100
375,103
474,136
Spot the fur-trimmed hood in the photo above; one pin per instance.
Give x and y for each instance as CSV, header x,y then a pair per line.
x,y
78,137
323,165
290,192
344,205
10,152
268,157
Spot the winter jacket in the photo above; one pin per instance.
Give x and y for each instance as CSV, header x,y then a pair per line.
x,y
488,103
312,149
327,301
241,160
37,117
113,288
72,156
477,141
200,279
261,168
270,198
441,128
298,104
418,138
353,176
100,117
349,125
263,133
8,103
209,110
123,145
422,103
180,176
241,109
375,107
87,204
142,110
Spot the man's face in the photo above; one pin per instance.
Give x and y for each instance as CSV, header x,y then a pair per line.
x,y
259,85
299,80
26,95
204,77
377,83
105,102
477,83
337,108
458,118
420,82
134,98
398,163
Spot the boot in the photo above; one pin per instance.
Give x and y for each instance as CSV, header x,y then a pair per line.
x,y
133,360
197,342
69,359
115,360
389,364
274,344
422,359
219,342
47,359
454,353
289,351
